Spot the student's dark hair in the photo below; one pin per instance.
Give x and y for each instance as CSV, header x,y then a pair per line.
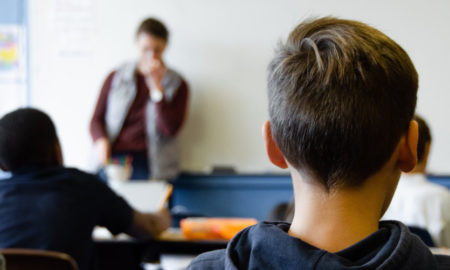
x,y
424,137
153,27
341,94
27,138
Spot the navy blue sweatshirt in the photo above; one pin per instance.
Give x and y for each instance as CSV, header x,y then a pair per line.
x,y
268,246
56,208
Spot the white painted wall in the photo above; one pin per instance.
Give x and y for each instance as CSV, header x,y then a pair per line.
x,y
222,48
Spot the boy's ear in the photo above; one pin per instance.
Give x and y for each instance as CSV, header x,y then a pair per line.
x,y
273,152
407,159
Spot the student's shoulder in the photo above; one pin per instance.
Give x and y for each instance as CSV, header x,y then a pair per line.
x,y
443,261
434,192
209,260
86,183
77,172
83,177
441,190
424,189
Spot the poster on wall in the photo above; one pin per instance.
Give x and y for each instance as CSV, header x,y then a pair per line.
x,y
73,28
12,54
13,67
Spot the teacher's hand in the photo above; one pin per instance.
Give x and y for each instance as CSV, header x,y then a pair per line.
x,y
103,148
154,73
157,71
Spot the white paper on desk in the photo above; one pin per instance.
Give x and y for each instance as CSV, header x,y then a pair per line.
x,y
175,262
101,233
144,196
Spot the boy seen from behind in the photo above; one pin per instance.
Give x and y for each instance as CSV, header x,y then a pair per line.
x,y
341,101
45,205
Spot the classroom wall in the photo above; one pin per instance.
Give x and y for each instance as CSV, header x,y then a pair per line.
x,y
222,48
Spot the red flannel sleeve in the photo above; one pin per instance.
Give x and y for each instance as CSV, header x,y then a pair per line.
x,y
97,125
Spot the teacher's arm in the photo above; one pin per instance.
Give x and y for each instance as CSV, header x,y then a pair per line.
x,y
97,126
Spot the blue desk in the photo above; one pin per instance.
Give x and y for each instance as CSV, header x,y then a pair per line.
x,y
443,180
231,195
237,195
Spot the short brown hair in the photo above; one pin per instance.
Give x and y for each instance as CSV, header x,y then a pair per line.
x,y
153,27
341,94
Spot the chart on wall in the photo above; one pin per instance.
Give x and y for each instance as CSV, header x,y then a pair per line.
x,y
13,55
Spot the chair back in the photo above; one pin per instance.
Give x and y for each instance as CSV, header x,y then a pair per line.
x,y
2,262
22,259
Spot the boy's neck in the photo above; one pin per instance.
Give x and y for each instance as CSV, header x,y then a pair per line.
x,y
340,218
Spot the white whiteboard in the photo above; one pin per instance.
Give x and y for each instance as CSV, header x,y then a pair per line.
x,y
222,48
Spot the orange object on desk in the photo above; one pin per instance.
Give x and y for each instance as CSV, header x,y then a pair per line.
x,y
214,228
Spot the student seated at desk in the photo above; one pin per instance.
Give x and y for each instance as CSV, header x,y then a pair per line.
x,y
341,101
418,202
44,205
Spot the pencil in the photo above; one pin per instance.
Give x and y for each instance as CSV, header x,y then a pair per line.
x,y
166,197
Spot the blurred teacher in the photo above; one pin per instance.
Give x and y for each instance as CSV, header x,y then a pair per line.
x,y
140,110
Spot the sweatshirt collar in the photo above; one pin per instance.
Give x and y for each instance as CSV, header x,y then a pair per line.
x,y
268,246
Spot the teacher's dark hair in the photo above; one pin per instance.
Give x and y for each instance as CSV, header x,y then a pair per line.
x,y
341,95
27,138
153,27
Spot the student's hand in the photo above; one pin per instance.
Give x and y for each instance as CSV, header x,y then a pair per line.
x,y
159,221
103,148
150,224
165,219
